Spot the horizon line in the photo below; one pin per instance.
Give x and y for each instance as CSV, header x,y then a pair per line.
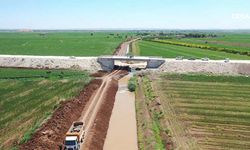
x,y
115,29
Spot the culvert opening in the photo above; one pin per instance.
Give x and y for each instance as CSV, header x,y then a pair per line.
x,y
127,68
130,65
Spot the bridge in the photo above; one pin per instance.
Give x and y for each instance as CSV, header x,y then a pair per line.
x,y
108,62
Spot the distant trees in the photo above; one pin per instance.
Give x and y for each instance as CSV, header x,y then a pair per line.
x,y
199,35
42,34
175,34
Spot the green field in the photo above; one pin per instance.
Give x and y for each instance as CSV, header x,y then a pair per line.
x,y
148,48
61,43
237,41
206,112
28,97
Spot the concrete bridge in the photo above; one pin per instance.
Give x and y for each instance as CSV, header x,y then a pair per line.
x,y
108,62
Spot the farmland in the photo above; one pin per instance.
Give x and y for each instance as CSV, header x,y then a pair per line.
x,y
199,111
29,97
149,48
61,43
237,41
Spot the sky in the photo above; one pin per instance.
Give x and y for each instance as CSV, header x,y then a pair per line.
x,y
124,14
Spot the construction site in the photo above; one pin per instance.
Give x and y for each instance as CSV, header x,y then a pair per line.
x,y
104,114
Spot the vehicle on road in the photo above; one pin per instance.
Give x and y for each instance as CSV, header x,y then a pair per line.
x,y
75,136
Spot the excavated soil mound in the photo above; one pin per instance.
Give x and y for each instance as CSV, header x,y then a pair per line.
x,y
97,135
52,133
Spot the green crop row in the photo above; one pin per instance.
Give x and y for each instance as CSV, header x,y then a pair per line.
x,y
246,53
213,109
11,73
29,102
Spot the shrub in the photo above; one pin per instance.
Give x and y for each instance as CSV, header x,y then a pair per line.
x,y
132,84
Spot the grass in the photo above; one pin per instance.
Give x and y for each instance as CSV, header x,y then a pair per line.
x,y
203,46
61,43
12,73
28,101
148,48
151,129
237,41
135,49
210,112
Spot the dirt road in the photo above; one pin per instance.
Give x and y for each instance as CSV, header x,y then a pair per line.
x,y
124,48
89,114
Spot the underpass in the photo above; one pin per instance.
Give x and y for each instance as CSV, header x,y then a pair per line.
x,y
109,62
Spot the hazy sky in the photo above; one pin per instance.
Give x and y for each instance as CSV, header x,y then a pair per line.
x,y
101,14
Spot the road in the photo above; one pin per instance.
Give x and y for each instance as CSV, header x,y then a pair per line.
x,y
124,49
89,114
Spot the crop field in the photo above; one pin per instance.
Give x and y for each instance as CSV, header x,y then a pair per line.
x,y
236,41
61,43
28,97
206,112
148,48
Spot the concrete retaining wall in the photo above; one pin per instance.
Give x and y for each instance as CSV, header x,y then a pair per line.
x,y
50,62
199,66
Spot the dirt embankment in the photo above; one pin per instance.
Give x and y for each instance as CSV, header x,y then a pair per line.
x,y
100,73
50,62
98,132
52,133
151,126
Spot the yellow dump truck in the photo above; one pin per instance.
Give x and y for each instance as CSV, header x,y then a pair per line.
x,y
75,136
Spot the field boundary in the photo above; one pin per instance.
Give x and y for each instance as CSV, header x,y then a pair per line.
x,y
211,48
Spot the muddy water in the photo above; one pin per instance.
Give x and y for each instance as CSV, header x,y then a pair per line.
x,y
122,133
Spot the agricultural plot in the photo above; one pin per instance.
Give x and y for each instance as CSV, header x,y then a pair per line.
x,y
148,48
28,97
61,43
206,112
235,41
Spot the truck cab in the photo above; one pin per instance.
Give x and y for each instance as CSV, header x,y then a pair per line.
x,y
72,143
75,136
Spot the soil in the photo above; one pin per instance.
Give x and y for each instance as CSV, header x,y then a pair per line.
x,y
121,49
52,133
118,49
98,132
99,74
146,111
